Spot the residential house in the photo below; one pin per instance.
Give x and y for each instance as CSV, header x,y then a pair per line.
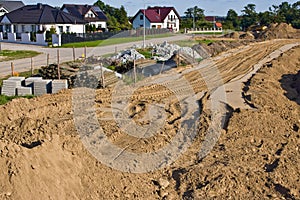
x,y
157,17
40,18
92,15
8,6
215,20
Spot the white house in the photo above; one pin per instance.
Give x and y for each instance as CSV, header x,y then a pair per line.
x,y
90,14
8,6
40,18
157,17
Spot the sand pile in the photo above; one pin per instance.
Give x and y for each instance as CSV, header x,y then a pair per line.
x,y
258,155
247,36
279,31
233,35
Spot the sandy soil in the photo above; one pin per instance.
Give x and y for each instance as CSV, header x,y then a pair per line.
x,y
256,156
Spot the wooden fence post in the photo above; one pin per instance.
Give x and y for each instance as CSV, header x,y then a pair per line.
x,y
58,67
74,56
31,65
12,68
134,70
84,54
48,57
162,67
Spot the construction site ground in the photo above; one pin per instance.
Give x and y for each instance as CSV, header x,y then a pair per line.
x,y
257,155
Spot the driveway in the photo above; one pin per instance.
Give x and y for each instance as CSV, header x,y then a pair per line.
x,y
66,54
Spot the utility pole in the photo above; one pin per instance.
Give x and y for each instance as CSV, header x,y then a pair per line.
x,y
144,38
194,19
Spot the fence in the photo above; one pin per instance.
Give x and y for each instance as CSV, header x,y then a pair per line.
x,y
84,37
204,30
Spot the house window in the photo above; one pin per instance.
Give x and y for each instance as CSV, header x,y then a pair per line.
x,y
2,12
141,25
141,17
68,29
99,26
23,28
90,15
171,17
61,29
153,26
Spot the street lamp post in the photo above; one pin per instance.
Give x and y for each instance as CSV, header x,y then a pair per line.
x,y
144,34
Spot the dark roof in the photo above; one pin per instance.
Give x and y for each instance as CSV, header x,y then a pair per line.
x,y
41,14
11,5
157,14
80,11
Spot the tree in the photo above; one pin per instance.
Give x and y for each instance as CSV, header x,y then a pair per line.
x,y
232,19
266,18
249,16
193,17
117,17
296,20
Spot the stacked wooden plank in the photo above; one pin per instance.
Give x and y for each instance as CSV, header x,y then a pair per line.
x,y
10,85
41,87
58,85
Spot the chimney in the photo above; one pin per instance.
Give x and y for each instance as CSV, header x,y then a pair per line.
x,y
39,6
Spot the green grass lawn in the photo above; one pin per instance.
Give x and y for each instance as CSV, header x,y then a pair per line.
x,y
185,43
4,99
25,74
209,33
190,43
112,41
6,55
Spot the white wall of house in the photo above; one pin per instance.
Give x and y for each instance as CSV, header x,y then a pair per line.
x,y
172,21
3,11
67,28
60,28
90,14
99,24
157,25
138,22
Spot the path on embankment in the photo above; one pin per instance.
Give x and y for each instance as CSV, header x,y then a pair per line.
x,y
66,54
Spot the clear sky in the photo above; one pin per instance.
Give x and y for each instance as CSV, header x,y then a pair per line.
x,y
211,7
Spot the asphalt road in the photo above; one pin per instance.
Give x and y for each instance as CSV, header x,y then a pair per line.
x,y
66,54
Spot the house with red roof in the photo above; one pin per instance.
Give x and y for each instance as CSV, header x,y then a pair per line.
x,y
157,18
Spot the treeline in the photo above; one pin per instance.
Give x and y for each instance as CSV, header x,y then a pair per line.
x,y
117,17
283,13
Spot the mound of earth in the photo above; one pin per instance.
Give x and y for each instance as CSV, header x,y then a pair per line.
x,y
247,36
217,47
256,157
279,31
233,35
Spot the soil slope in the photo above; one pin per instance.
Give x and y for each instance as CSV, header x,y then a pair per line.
x,y
257,156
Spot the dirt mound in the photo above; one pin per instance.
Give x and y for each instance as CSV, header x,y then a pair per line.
x,y
217,47
257,156
279,31
233,35
247,36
